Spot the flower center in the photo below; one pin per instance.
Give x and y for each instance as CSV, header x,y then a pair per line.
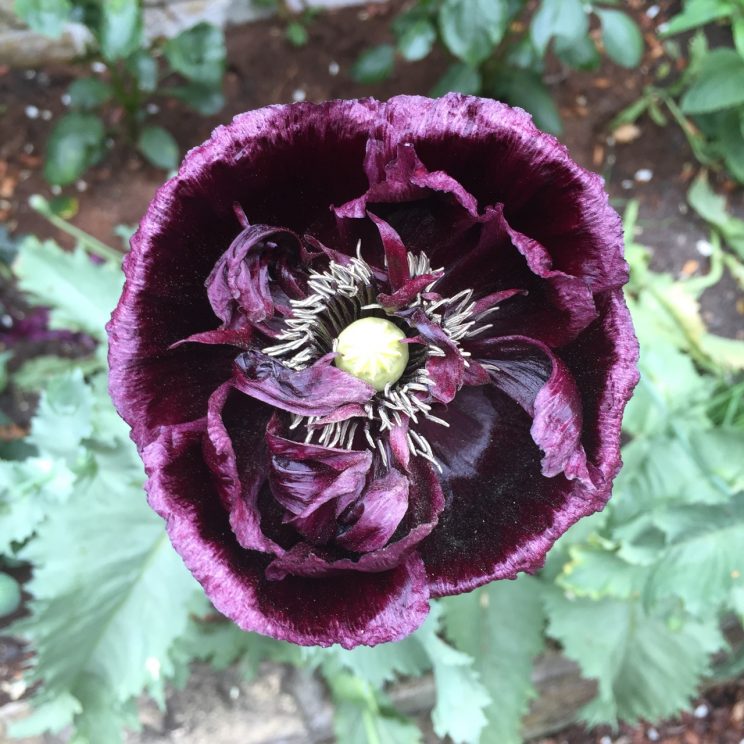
x,y
371,349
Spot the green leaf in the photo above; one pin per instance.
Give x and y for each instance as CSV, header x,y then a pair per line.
x,y
526,89
459,78
36,372
417,40
737,29
501,627
622,39
52,715
704,560
28,490
697,13
145,70
732,143
105,572
645,670
296,34
581,54
381,664
76,143
374,65
198,54
10,595
362,716
596,573
712,208
718,85
472,28
65,406
120,29
81,294
159,147
202,98
88,93
461,697
564,19
5,357
48,17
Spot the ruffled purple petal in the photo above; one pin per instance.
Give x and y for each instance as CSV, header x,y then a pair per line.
x,y
220,337
350,608
533,376
241,288
425,504
318,390
377,515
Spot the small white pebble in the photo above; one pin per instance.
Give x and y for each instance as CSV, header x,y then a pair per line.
x,y
662,27
611,159
46,114
610,141
81,185
28,148
110,142
43,79
234,692
626,183
702,710
683,208
704,248
66,99
298,95
605,740
56,189
29,74
6,321
32,112
643,175
653,734
581,100
653,11
98,67
152,108
334,68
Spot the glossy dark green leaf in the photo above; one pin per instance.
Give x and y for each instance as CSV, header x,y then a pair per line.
x,y
374,65
417,40
732,143
296,34
88,93
75,144
698,13
459,78
159,147
622,39
145,70
719,84
198,54
121,28
10,595
472,28
526,89
581,54
564,19
202,98
45,16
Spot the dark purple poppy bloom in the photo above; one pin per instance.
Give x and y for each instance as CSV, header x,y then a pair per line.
x,y
373,353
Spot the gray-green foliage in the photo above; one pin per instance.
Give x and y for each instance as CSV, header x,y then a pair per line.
x,y
496,53
114,612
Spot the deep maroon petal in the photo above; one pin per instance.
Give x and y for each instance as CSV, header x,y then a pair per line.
x,y
498,155
220,337
446,371
350,608
235,454
318,390
532,375
304,477
425,504
407,292
379,513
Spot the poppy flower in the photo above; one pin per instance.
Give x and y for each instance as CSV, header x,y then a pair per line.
x,y
373,353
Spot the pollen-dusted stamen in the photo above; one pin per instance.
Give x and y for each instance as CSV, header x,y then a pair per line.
x,y
372,350
342,314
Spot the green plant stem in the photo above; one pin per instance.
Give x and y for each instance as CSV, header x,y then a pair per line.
x,y
94,246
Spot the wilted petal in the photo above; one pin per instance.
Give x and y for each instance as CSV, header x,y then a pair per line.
x,y
380,512
318,390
